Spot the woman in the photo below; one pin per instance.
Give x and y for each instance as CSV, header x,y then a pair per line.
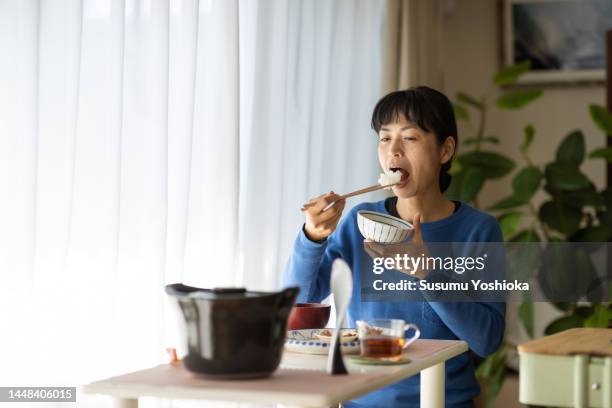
x,y
417,135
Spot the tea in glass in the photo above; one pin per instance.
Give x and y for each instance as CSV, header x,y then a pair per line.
x,y
381,338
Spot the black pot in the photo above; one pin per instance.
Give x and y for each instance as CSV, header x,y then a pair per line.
x,y
232,333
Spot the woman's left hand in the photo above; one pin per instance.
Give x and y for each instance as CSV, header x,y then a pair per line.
x,y
415,248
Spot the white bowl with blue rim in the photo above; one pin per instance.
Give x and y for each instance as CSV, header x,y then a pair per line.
x,y
307,341
383,228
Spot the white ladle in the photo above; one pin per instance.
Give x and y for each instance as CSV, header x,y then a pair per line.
x,y
341,284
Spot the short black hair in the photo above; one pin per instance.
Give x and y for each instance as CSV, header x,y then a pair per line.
x,y
429,109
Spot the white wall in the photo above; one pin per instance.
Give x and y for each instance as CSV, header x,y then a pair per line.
x,y
471,54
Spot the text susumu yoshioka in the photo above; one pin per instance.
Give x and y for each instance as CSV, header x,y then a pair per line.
x,y
473,284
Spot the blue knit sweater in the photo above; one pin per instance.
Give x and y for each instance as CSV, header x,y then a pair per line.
x,y
481,325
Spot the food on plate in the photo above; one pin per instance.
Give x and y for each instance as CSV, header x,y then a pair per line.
x,y
345,335
390,178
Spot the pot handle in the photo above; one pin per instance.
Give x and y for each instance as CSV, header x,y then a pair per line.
x,y
288,296
178,289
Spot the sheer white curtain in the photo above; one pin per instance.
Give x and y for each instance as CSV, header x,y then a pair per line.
x,y
151,141
312,74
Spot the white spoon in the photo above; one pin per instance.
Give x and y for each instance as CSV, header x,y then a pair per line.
x,y
341,284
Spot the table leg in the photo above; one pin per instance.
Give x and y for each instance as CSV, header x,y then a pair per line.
x,y
125,402
432,386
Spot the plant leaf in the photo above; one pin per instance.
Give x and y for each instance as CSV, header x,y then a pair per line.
x,y
495,385
466,184
455,168
606,195
584,311
509,75
526,183
469,100
605,216
564,323
600,318
453,192
470,141
524,186
560,217
522,261
525,313
509,223
571,149
487,139
602,118
517,99
602,153
472,183
565,177
598,289
566,272
494,165
584,197
460,112
526,236
561,279
599,233
529,132
563,306
492,372
491,139
507,203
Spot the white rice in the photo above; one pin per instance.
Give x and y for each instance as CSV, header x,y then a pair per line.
x,y
389,178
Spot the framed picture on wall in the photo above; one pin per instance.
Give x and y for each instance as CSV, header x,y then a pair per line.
x,y
564,39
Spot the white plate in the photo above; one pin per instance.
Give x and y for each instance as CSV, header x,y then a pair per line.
x,y
306,341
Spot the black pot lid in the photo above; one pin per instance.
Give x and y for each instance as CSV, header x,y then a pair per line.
x,y
178,289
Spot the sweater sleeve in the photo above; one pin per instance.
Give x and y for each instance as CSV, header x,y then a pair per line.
x,y
309,266
480,324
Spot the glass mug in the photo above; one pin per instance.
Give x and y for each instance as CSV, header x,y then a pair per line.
x,y
385,337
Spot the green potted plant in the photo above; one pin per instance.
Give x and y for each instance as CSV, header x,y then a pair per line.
x,y
574,211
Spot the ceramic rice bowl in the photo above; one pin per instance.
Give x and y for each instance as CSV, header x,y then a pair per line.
x,y
383,228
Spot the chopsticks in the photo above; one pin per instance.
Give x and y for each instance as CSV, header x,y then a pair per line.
x,y
365,190
352,194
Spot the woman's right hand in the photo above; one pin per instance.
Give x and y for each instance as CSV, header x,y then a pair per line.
x,y
320,224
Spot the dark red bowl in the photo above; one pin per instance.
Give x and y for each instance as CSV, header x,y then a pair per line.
x,y
308,316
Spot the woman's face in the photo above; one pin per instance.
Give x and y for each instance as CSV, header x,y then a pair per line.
x,y
404,146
